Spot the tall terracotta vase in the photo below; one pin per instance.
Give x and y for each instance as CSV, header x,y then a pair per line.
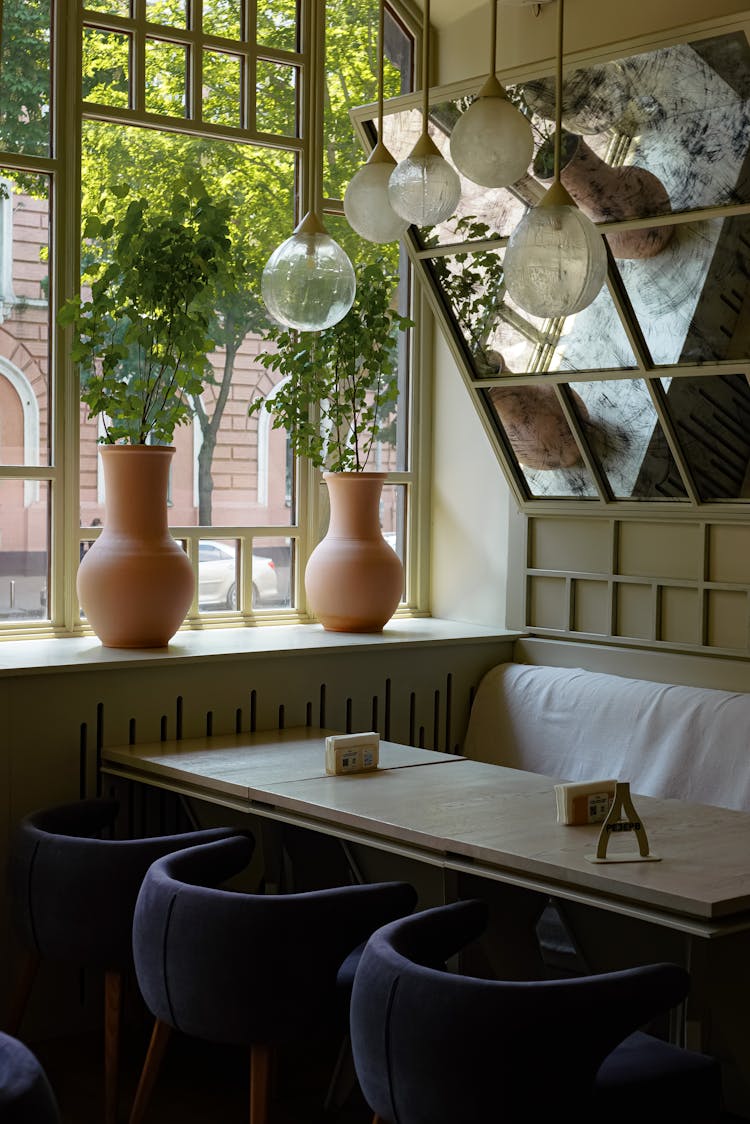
x,y
354,580
607,193
135,583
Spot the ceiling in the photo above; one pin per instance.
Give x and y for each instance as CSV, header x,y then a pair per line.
x,y
443,12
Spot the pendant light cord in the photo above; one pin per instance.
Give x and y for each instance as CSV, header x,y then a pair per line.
x,y
381,66
314,201
558,90
426,66
493,37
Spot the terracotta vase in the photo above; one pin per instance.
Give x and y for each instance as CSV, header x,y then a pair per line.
x,y
135,583
354,579
612,194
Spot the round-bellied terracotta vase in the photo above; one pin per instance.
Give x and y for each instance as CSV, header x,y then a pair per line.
x,y
610,194
135,583
354,580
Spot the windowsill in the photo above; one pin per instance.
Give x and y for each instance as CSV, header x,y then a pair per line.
x,y
75,653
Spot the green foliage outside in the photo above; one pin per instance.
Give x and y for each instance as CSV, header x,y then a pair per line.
x,y
142,338
255,184
25,77
340,385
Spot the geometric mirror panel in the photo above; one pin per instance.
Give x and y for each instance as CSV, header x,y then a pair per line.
x,y
626,437
711,415
655,137
537,431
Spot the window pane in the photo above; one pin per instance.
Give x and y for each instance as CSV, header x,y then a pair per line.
x,y
277,24
276,104
111,7
235,475
170,12
24,551
166,78
24,319
351,80
106,67
222,88
222,17
25,85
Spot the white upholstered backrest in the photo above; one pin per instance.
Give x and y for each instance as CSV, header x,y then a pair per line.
x,y
687,743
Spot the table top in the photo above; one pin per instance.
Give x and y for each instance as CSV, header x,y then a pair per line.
x,y
469,815
244,765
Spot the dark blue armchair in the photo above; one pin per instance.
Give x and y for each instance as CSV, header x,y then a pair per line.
x,y
246,969
434,1047
25,1093
73,897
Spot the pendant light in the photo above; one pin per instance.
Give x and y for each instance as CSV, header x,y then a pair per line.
x,y
308,282
492,143
556,260
366,204
424,188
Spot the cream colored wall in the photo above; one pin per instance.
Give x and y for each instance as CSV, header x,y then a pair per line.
x,y
470,503
524,38
474,512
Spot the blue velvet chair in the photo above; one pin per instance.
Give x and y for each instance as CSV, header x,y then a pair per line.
x,y
434,1047
247,969
73,897
25,1093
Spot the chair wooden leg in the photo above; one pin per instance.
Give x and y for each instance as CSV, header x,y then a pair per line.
x,y
112,1017
21,993
151,1066
261,1059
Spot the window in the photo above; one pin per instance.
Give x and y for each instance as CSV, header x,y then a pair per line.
x,y
214,93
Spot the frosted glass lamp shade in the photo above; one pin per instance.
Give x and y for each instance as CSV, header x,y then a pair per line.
x,y
424,188
492,143
367,205
555,262
308,282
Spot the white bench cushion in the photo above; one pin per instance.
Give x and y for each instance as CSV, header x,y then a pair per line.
x,y
685,743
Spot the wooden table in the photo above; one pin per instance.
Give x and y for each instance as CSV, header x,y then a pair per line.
x,y
500,824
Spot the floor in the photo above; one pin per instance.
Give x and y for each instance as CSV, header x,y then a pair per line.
x,y
199,1084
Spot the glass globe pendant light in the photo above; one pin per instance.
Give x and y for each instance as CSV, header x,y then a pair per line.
x,y
556,260
424,189
308,282
366,204
492,143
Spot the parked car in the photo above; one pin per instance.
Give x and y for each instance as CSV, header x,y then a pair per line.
x,y
217,577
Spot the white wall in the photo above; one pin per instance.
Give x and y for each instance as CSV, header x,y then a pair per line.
x,y
470,502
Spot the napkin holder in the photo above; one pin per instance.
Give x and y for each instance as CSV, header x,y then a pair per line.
x,y
622,817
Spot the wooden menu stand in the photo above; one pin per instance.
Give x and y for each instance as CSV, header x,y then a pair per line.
x,y
622,816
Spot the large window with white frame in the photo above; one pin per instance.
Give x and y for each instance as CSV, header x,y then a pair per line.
x,y
149,97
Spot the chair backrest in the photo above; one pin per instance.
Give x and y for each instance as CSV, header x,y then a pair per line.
x,y
74,893
25,1093
248,968
433,1046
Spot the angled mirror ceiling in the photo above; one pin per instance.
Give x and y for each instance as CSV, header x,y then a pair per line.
x,y
643,395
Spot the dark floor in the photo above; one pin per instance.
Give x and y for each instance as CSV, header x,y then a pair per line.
x,y
200,1083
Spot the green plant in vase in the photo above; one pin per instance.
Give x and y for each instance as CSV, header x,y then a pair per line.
x,y
142,337
338,388
336,398
141,341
